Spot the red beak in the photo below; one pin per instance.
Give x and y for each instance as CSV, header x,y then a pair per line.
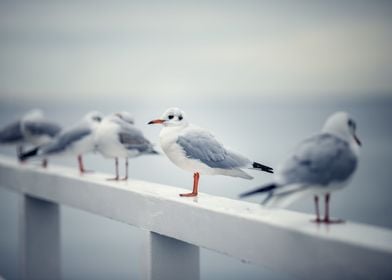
x,y
156,122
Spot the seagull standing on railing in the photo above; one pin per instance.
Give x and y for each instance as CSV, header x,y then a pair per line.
x,y
320,165
196,150
75,140
33,128
117,137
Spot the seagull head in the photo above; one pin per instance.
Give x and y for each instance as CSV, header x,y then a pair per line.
x,y
93,117
126,117
34,115
342,125
171,117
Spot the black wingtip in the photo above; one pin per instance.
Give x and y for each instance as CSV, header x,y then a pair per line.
x,y
262,167
259,190
28,154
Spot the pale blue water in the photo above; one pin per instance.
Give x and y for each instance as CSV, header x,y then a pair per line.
x,y
97,248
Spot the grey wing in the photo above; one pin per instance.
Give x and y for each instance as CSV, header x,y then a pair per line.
x,y
65,140
133,139
42,128
11,133
320,160
204,147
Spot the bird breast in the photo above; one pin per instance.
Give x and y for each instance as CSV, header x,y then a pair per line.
x,y
107,141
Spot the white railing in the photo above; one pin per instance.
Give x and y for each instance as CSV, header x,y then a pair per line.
x,y
279,239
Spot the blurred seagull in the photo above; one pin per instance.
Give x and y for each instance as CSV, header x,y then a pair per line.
x,y
75,140
32,129
117,137
320,165
196,150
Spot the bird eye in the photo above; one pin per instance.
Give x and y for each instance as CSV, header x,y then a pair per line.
x,y
170,117
98,119
180,117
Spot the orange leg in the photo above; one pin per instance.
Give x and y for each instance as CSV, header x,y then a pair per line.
x,y
126,170
326,214
117,176
316,205
80,162
194,192
81,166
327,219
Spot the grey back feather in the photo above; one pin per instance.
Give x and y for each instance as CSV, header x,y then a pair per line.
x,y
133,139
204,147
64,140
42,128
320,160
11,133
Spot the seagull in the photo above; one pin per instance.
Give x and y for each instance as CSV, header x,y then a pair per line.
x,y
196,150
117,137
320,165
32,129
75,140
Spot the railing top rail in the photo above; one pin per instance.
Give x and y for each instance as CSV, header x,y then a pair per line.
x,y
276,238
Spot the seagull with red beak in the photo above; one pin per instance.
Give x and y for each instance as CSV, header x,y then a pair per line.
x,y
196,150
319,165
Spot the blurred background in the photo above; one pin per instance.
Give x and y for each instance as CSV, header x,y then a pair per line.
x,y
262,75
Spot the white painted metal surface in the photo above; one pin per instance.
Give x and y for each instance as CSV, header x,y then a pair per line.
x,y
39,235
169,258
279,239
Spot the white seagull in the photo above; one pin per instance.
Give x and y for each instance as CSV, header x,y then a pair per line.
x,y
33,128
320,165
75,140
196,150
117,137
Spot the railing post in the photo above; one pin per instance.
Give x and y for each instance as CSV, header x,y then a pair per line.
x,y
39,237
172,259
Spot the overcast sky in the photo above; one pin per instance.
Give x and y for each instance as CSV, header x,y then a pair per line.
x,y
271,48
